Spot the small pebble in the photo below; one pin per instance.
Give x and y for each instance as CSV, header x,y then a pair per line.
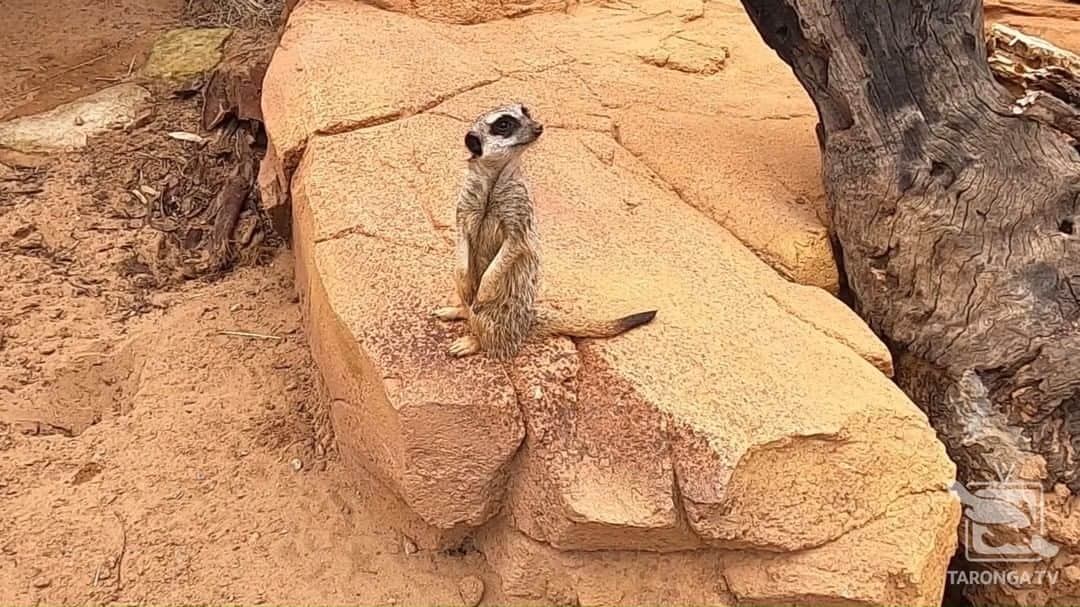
x,y
47,349
236,307
471,589
297,465
408,545
42,583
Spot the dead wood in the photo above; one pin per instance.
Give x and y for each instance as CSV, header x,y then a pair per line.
x,y
954,206
1033,64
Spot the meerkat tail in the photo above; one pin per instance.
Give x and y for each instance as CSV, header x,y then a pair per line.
x,y
553,322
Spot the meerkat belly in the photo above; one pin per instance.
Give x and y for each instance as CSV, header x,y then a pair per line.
x,y
503,322
502,325
486,244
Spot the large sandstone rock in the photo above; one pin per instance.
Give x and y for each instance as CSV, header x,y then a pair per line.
x,y
744,447
883,563
775,217
738,144
472,11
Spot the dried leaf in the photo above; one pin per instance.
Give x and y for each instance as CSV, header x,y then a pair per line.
x,y
189,137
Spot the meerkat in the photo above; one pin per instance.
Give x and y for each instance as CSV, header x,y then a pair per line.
x,y
497,257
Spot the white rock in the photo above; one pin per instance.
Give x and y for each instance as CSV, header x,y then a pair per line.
x,y
70,126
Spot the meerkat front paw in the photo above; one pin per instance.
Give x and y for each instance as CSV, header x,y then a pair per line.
x,y
450,313
464,346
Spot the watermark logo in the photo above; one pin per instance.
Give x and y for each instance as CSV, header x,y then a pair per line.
x,y
1003,522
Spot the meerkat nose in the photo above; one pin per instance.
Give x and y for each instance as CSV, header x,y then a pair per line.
x,y
539,128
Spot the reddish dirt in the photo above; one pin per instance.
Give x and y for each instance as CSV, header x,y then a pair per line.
x,y
146,455
58,50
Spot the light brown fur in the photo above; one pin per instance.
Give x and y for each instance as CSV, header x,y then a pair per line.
x,y
497,264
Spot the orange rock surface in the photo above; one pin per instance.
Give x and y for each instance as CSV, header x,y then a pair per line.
x,y
745,446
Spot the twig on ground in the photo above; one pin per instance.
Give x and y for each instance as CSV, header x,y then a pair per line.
x,y
123,550
251,335
31,91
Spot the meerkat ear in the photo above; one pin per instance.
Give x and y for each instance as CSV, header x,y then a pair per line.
x,y
472,141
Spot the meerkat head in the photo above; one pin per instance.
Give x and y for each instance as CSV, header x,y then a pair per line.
x,y
502,134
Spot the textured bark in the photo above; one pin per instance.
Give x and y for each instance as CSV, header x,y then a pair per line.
x,y
953,207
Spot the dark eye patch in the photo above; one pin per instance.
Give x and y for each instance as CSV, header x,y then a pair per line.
x,y
472,141
505,126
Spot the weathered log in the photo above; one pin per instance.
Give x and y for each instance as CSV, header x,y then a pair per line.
x,y
1033,64
954,209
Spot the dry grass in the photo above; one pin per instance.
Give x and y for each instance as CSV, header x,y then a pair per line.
x,y
235,13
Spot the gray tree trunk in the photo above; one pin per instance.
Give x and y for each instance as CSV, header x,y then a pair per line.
x,y
954,211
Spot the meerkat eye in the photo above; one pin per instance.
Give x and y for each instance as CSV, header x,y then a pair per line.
x,y
504,126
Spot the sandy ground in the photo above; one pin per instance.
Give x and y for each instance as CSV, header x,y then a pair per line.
x,y
145,456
